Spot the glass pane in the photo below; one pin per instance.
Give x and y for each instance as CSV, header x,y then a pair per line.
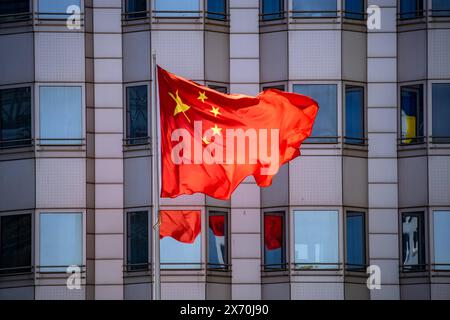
x,y
61,241
217,9
316,239
217,241
219,89
137,240
314,8
14,6
60,115
55,9
273,241
441,7
272,9
177,8
356,241
139,7
325,125
15,243
15,117
137,114
354,9
441,112
410,9
412,127
354,115
442,240
413,242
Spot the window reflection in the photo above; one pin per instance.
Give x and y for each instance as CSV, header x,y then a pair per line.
x,y
354,115
272,9
274,252
442,240
217,241
177,8
137,114
314,8
356,241
137,240
441,112
413,242
412,123
56,9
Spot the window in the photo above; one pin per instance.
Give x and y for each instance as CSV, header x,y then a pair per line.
x,y
137,115
15,244
60,115
314,8
316,239
274,248
441,8
60,241
15,117
354,9
412,121
354,115
51,9
278,87
135,9
217,240
177,8
413,242
410,9
272,9
356,241
137,241
13,8
325,126
441,112
442,240
219,88
217,9
176,252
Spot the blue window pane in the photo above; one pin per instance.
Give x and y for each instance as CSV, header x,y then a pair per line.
x,y
60,115
314,8
410,9
354,115
55,9
441,8
356,241
15,117
272,9
442,240
137,240
136,9
217,241
179,255
325,126
354,9
316,239
177,8
413,242
217,9
441,112
137,114
412,124
60,241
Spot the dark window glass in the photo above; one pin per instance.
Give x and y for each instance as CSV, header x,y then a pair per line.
x,y
314,8
441,113
137,114
279,87
354,9
51,9
441,8
219,88
217,9
354,115
15,117
413,241
15,244
274,252
356,241
325,126
441,226
272,9
135,9
412,123
13,8
137,240
217,240
410,9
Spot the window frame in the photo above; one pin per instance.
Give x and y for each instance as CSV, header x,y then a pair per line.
x,y
140,140
422,214
225,267
284,266
418,139
348,140
128,267
355,212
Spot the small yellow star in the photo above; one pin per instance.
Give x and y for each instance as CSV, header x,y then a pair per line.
x,y
202,96
205,140
215,111
216,130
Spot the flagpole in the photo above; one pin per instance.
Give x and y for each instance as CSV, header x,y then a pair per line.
x,y
156,185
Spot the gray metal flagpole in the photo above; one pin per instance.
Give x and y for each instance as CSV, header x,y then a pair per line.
x,y
156,184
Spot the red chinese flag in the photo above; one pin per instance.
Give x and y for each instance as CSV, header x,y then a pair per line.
x,y
183,226
273,235
217,225
211,141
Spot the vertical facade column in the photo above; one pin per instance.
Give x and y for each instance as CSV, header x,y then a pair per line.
x,y
108,132
245,202
382,166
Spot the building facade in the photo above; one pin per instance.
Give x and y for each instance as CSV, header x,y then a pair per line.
x,y
371,189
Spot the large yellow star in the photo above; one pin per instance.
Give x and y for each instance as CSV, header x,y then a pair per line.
x,y
202,97
215,111
216,130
